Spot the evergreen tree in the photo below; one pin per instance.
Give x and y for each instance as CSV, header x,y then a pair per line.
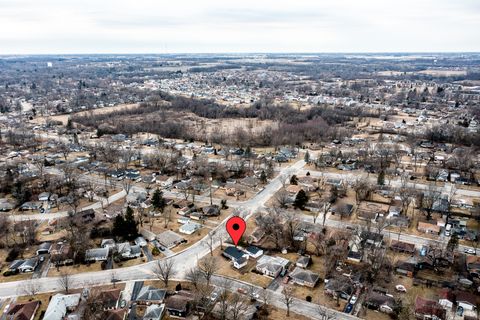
x,y
300,200
294,180
263,177
452,243
125,227
158,202
118,226
381,178
131,225
307,157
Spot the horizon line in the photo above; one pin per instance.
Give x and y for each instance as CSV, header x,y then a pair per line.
x,y
240,53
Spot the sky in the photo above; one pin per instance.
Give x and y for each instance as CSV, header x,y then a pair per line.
x,y
214,26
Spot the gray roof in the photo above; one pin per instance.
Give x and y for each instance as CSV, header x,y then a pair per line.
x,y
148,293
154,312
304,275
96,253
169,238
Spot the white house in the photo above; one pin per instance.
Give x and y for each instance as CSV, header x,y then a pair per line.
x,y
60,304
189,228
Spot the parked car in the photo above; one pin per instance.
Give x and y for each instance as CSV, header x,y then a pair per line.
x,y
214,296
470,251
400,288
353,299
348,308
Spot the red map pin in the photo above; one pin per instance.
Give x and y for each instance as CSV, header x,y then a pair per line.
x,y
235,228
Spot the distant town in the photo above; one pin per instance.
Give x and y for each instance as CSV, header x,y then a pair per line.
x,y
358,176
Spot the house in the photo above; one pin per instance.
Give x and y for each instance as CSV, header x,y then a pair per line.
x,y
340,287
371,238
293,189
140,241
109,298
61,253
403,247
271,266
368,210
254,252
28,265
169,239
304,277
380,301
429,309
179,305
256,235
23,311
189,228
406,268
46,196
60,305
154,312
108,243
446,298
466,300
150,295
87,215
13,267
31,205
44,248
6,205
303,261
473,265
240,263
429,228
238,257
147,234
128,251
96,254
211,211
115,314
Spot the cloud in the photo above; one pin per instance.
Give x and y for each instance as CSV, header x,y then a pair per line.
x,y
89,26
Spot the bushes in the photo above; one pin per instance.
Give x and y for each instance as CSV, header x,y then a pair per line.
x,y
155,251
13,254
10,273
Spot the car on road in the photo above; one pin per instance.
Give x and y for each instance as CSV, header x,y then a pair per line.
x,y
470,251
353,299
6,308
400,288
241,290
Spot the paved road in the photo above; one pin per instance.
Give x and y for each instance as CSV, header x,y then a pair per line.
x,y
275,298
188,258
351,176
184,260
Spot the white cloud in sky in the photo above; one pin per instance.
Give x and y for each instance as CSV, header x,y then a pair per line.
x,y
160,26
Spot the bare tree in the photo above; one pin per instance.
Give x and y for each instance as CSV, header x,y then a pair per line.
x,y
5,225
223,302
195,276
30,288
164,270
287,293
65,281
238,306
211,241
208,266
127,185
167,216
282,198
326,205
325,313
